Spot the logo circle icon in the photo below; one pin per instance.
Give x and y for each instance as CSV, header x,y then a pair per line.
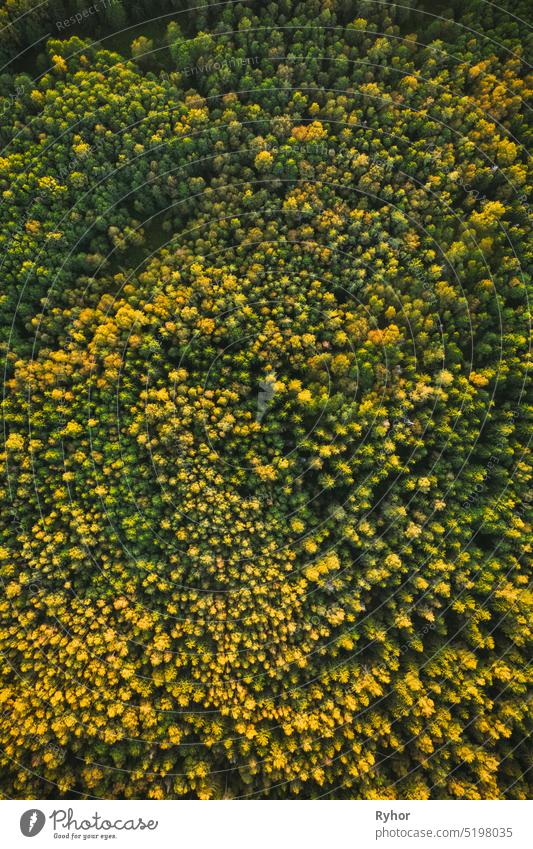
x,y
32,822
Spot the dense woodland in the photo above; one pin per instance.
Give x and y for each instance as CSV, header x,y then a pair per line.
x,y
265,502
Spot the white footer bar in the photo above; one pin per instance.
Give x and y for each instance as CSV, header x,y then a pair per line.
x,y
268,825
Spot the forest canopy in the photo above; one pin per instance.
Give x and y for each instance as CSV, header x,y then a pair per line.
x,y
265,503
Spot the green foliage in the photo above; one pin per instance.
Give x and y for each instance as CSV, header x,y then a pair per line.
x,y
265,523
